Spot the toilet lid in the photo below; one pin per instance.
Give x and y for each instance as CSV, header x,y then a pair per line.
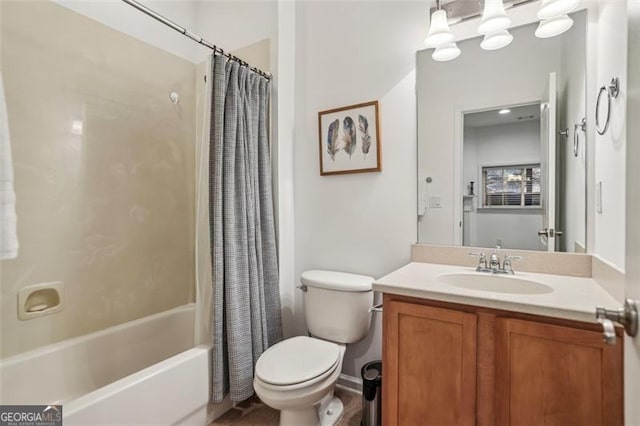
x,y
296,360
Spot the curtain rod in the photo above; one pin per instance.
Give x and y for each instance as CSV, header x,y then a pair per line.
x,y
155,15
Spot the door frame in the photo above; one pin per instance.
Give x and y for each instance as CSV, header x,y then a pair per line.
x,y
458,158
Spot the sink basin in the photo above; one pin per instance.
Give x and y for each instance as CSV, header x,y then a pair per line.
x,y
494,283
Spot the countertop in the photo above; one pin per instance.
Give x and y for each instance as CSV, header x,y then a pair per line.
x,y
573,298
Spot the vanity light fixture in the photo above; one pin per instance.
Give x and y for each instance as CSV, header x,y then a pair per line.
x,y
439,32
554,26
556,8
446,52
494,23
494,18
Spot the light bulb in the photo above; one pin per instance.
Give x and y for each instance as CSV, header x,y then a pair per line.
x,y
446,52
494,18
553,27
497,40
439,32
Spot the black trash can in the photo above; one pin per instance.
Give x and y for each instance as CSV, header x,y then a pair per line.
x,y
371,394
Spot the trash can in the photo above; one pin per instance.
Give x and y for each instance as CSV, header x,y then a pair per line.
x,y
371,394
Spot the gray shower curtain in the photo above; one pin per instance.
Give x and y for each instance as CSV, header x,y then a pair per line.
x,y
246,297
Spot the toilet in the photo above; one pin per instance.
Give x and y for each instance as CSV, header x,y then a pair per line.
x,y
298,375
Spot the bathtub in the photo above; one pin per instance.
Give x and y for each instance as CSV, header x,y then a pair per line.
x,y
142,372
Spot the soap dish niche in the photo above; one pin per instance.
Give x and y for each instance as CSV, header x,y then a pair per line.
x,y
40,299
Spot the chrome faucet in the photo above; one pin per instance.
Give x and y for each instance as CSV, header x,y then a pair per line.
x,y
482,262
493,265
507,268
494,261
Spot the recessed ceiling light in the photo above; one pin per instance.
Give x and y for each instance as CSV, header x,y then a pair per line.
x,y
504,111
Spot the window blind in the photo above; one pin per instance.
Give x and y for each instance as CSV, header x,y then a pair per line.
x,y
511,186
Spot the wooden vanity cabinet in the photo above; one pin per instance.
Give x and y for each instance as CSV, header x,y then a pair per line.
x,y
448,364
556,375
429,365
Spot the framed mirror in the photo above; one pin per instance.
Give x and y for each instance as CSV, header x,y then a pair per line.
x,y
502,161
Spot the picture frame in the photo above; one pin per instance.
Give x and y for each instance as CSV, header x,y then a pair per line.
x,y
349,139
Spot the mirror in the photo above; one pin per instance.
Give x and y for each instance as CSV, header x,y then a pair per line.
x,y
501,145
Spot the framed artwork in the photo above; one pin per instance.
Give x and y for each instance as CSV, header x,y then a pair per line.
x,y
350,139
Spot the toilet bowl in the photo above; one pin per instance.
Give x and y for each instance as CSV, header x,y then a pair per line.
x,y
298,375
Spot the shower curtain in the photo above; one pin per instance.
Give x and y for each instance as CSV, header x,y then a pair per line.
x,y
246,297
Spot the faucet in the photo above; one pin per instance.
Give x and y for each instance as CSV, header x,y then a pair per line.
x,y
506,264
494,261
482,262
493,265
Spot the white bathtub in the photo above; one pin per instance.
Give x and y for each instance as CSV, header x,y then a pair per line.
x,y
142,372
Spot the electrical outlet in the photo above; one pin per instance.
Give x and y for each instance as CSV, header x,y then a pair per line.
x,y
434,202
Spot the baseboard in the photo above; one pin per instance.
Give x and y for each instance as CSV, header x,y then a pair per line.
x,y
350,383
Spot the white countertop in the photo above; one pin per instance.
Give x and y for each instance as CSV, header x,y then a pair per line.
x,y
573,298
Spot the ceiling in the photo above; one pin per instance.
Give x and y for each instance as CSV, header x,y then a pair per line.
x,y
493,118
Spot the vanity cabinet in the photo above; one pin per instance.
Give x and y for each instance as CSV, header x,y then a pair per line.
x,y
428,382
449,364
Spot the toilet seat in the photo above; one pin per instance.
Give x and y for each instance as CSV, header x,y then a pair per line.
x,y
298,360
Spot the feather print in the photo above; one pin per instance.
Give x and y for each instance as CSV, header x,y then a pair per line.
x,y
350,141
332,139
363,125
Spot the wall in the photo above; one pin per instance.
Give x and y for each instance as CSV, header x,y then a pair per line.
x,y
456,89
496,145
360,223
126,19
107,206
571,217
607,58
232,25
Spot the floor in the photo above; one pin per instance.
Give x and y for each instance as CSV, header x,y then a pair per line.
x,y
254,412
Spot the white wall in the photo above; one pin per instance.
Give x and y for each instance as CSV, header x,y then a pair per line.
x,y
514,143
232,25
607,58
284,97
478,79
350,52
571,174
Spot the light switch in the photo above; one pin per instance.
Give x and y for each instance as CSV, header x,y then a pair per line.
x,y
434,202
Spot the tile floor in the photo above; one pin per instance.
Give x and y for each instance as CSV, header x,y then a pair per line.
x,y
253,412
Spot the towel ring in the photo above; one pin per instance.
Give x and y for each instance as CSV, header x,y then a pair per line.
x,y
612,91
576,127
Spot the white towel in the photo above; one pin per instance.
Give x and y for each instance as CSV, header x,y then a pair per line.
x,y
8,218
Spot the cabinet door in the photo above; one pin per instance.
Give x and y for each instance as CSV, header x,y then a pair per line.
x,y
429,358
553,375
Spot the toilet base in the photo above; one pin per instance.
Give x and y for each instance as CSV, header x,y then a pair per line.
x,y
330,412
327,413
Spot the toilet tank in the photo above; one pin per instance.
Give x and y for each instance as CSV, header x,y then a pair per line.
x,y
336,305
